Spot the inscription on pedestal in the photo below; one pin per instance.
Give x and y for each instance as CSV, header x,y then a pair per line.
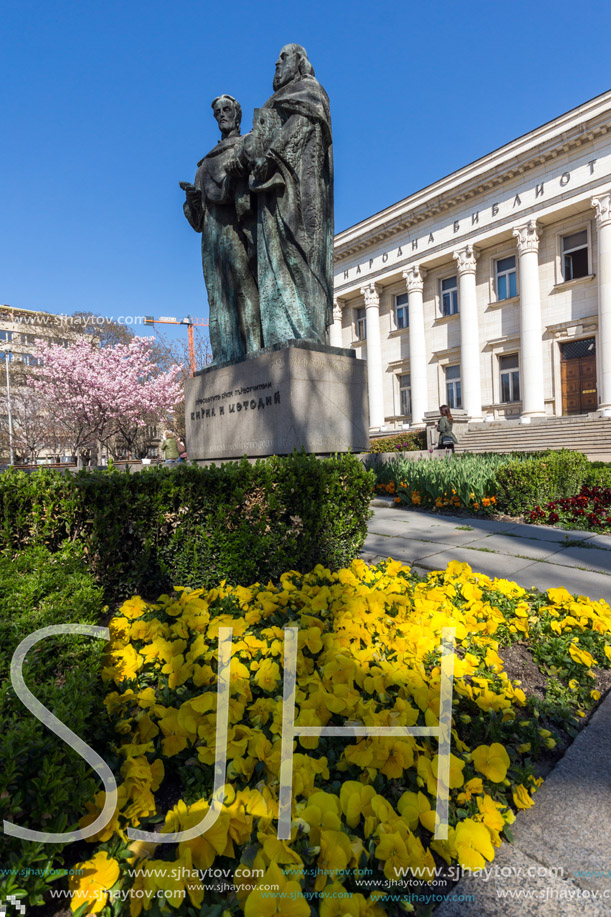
x,y
276,402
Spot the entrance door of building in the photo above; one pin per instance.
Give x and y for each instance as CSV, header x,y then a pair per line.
x,y
578,364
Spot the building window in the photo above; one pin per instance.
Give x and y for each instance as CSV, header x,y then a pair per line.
x,y
28,338
30,360
575,255
401,311
449,296
6,336
405,395
506,279
6,355
361,325
453,389
510,378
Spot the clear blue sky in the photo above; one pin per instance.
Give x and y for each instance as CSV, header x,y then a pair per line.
x,y
105,106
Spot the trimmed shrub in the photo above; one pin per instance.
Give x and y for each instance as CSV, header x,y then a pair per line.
x,y
193,525
522,485
598,474
402,442
44,784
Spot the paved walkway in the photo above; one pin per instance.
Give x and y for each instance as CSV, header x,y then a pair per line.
x,y
531,555
560,862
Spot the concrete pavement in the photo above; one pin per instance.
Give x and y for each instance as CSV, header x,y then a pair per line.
x,y
532,555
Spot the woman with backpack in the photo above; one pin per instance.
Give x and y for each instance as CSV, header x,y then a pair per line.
x,y
446,440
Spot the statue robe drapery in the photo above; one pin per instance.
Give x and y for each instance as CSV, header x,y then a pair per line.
x,y
295,213
224,216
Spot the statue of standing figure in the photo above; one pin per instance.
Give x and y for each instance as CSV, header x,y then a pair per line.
x,y
219,206
278,183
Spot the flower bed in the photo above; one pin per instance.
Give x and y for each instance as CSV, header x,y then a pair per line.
x,y
590,509
368,653
466,482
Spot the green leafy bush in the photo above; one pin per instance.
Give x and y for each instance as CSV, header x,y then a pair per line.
x,y
402,442
598,474
522,485
44,784
239,521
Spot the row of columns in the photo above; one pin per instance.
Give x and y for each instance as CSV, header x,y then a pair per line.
x,y
602,206
531,363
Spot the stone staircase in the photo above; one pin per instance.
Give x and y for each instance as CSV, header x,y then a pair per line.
x,y
591,435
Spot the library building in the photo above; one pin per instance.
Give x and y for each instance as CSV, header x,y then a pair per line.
x,y
490,290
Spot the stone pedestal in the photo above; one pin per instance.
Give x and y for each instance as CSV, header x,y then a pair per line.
x,y
296,395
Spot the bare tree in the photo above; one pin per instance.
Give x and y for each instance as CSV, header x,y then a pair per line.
x,y
106,331
172,351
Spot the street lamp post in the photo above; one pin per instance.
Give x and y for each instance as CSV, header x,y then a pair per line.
x,y
8,404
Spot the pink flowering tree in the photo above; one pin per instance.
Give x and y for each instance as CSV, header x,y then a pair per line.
x,y
95,394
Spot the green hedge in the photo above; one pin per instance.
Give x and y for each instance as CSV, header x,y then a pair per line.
x,y
195,526
44,784
402,442
598,475
522,485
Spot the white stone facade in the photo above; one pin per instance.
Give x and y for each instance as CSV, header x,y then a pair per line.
x,y
498,267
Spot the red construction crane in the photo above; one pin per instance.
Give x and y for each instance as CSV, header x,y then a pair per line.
x,y
191,323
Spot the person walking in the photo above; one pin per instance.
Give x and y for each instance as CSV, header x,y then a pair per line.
x,y
446,440
169,447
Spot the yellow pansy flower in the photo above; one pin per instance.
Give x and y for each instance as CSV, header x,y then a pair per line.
x,y
581,656
472,788
355,801
490,812
335,901
412,806
560,596
492,761
521,797
288,901
335,855
133,608
456,770
473,844
268,676
204,848
95,877
392,851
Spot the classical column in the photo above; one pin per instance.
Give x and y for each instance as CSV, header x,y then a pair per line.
x,y
469,333
531,342
414,277
602,206
375,378
335,330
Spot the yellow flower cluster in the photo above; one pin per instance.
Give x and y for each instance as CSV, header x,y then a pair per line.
x,y
368,654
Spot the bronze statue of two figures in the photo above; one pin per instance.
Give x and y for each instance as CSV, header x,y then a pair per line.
x,y
263,203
